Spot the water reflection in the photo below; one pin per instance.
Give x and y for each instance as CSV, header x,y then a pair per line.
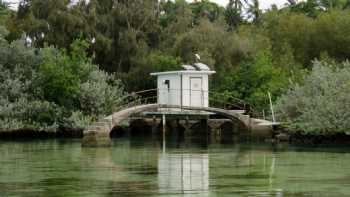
x,y
187,174
139,167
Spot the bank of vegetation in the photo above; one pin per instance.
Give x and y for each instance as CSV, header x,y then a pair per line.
x,y
66,63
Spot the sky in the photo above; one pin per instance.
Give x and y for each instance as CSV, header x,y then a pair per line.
x,y
264,4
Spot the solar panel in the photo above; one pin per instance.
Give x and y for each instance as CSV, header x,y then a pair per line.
x,y
188,67
201,66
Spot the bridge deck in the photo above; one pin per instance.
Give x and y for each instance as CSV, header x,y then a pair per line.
x,y
179,113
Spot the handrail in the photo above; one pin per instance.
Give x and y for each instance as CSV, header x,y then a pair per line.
x,y
136,98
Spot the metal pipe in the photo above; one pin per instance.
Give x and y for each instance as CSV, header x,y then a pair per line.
x,y
271,106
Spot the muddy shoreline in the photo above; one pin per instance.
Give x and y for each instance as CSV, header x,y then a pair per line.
x,y
73,133
41,134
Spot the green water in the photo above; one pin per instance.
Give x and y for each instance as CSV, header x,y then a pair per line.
x,y
143,168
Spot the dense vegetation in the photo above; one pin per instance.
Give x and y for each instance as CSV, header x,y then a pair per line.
x,y
46,88
55,51
320,105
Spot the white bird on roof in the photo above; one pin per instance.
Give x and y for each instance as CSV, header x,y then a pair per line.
x,y
198,57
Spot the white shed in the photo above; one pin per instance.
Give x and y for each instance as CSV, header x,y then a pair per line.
x,y
188,87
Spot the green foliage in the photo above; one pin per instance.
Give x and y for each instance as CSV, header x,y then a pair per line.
x,y
206,9
73,81
252,81
253,52
117,30
123,33
100,93
321,104
4,12
57,79
307,38
254,11
293,30
78,120
330,34
233,13
61,75
18,106
50,88
139,77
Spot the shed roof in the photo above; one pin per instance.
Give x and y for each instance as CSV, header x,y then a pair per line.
x,y
181,72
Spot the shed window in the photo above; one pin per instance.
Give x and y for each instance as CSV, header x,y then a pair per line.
x,y
167,82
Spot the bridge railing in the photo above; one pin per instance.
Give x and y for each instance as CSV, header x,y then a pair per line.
x,y
215,99
135,101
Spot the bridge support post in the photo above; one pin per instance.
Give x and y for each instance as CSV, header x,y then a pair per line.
x,y
164,130
187,132
228,134
215,131
154,126
97,138
204,129
164,125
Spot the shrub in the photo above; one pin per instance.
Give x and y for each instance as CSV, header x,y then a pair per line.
x,y
99,93
49,88
321,104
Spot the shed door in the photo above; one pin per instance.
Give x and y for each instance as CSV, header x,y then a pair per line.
x,y
196,94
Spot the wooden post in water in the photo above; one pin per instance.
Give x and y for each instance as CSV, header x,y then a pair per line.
x,y
164,124
154,128
164,130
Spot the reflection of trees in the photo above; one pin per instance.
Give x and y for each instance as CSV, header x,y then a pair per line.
x,y
242,169
121,171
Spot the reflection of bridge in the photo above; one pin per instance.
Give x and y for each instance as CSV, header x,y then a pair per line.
x,y
98,134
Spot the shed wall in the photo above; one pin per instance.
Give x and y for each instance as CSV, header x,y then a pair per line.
x,y
171,96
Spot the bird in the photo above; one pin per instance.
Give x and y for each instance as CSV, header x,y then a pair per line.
x,y
198,57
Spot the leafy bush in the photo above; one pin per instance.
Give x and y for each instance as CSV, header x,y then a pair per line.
x,y
99,93
47,88
321,104
78,120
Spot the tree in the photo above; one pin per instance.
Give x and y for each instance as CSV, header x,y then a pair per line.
x,y
330,35
292,30
233,13
254,11
310,7
4,12
116,29
331,4
139,77
72,81
253,80
205,9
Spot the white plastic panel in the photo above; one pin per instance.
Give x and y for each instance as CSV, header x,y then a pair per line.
x,y
202,67
169,94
